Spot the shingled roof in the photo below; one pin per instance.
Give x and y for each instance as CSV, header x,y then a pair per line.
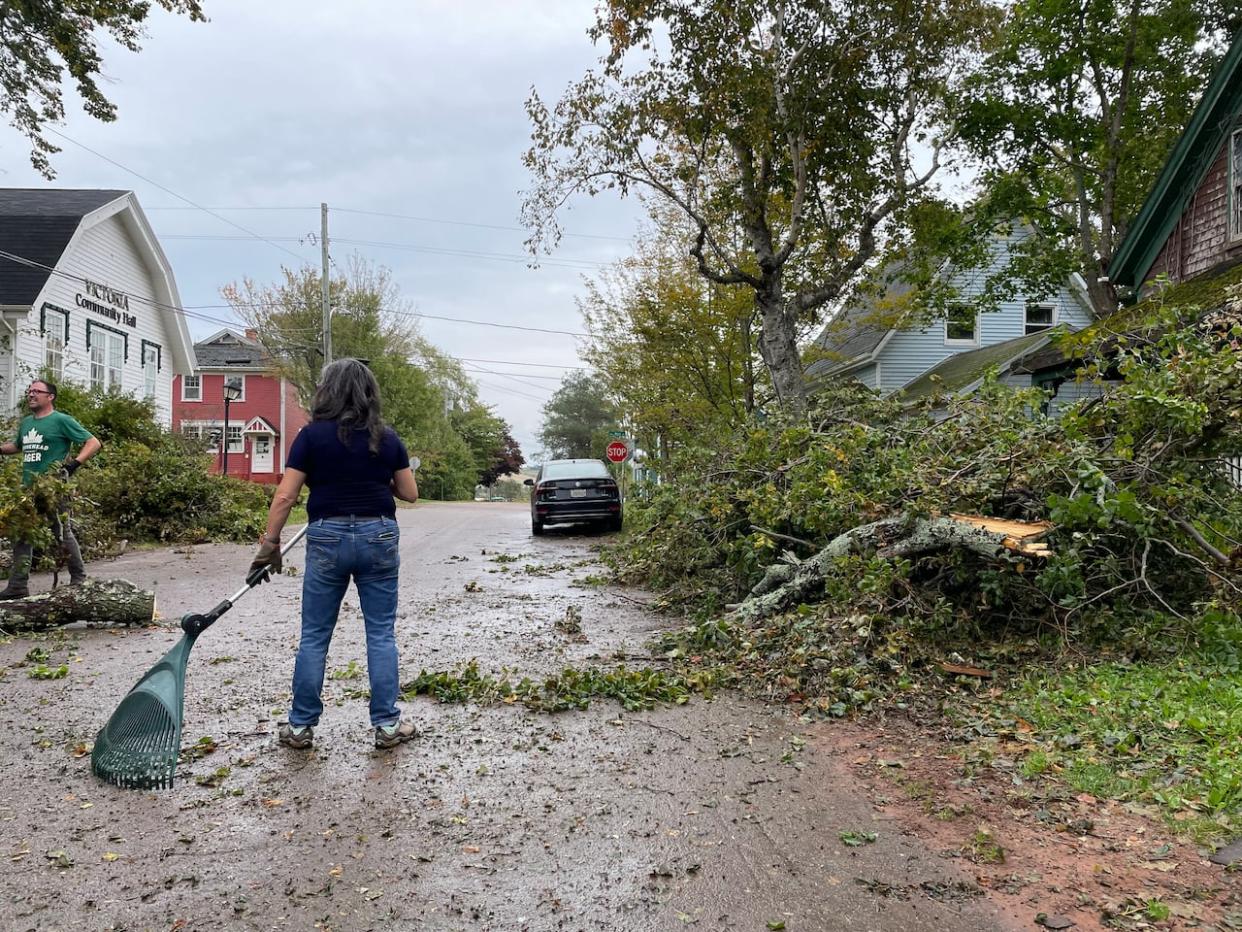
x,y
857,332
37,224
229,349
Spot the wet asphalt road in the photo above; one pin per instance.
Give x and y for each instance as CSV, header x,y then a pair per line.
x,y
717,815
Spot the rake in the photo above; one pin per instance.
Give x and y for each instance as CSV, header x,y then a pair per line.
x,y
139,746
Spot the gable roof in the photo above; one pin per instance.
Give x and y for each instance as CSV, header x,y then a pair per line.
x,y
37,224
960,373
228,349
855,334
1183,171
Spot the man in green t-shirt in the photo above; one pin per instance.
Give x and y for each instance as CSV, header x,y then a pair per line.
x,y
44,439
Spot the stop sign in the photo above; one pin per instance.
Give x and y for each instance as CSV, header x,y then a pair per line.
x,y
618,451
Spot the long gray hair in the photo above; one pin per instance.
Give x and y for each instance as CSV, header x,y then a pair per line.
x,y
348,394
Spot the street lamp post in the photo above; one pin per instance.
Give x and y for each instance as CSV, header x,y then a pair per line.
x,y
232,391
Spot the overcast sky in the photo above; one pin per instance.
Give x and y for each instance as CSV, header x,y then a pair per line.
x,y
389,107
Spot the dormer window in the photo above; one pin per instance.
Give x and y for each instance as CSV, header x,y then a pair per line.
x,y
1235,185
961,325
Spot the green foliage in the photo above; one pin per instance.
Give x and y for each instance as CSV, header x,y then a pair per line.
x,y
110,415
164,492
1073,112
782,134
577,418
428,398
675,351
570,689
1144,519
146,484
40,42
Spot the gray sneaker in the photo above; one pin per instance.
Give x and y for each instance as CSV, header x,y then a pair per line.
x,y
11,592
389,736
291,736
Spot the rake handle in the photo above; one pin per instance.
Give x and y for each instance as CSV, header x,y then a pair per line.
x,y
197,624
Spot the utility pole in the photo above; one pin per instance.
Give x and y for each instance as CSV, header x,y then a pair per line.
x,y
327,310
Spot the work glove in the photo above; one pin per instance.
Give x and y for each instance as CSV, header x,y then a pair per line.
x,y
69,467
266,562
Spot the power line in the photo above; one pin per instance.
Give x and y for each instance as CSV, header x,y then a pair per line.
x,y
564,262
179,197
514,362
392,216
512,378
191,310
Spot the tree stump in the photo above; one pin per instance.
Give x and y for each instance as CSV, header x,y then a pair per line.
x,y
110,601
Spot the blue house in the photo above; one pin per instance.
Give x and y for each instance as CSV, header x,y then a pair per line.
x,y
884,339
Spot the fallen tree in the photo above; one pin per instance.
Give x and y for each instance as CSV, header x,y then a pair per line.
x,y
96,601
978,512
786,584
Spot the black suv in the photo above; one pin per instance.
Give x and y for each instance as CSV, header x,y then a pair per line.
x,y
567,491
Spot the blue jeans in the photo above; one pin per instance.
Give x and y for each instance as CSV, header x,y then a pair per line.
x,y
336,550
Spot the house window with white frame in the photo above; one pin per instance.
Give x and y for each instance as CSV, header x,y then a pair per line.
x,y
55,323
150,368
236,440
107,359
191,388
240,382
1040,316
961,324
1235,184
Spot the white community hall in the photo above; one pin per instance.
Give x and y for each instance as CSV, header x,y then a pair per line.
x,y
87,294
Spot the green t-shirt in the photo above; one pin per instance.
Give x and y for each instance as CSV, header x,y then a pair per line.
x,y
45,441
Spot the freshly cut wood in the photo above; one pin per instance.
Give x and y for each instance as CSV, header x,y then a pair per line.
x,y
1019,536
97,601
786,584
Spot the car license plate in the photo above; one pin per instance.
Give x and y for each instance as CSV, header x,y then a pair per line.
x,y
577,493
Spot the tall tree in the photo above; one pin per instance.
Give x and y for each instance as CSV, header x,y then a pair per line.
x,y
794,135
1073,113
677,351
576,418
41,40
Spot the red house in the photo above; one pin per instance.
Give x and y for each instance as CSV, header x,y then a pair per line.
x,y
262,421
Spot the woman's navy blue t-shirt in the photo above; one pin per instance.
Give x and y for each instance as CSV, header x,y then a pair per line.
x,y
347,480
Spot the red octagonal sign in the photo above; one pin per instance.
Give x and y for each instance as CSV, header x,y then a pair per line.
x,y
618,451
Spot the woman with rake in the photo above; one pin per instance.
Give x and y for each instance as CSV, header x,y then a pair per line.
x,y
353,464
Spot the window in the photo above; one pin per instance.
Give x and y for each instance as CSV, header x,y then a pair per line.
x,y
1235,185
191,388
1040,317
107,358
150,368
55,335
961,324
240,382
193,431
236,444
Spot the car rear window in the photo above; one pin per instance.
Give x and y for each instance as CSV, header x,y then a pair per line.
x,y
592,469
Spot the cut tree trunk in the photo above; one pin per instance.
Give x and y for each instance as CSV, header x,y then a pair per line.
x,y
111,601
787,584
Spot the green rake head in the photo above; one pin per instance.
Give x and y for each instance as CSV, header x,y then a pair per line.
x,y
139,746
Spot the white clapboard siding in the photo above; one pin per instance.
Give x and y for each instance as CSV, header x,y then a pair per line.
x,y
106,254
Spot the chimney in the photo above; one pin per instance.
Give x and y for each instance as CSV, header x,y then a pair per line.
x,y
252,334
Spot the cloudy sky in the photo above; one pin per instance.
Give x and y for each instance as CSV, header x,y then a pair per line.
x,y
398,108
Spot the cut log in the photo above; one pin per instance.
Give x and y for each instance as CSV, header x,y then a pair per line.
x,y
786,584
96,601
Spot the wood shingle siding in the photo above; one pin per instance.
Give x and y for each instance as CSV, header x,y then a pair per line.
x,y
1200,239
